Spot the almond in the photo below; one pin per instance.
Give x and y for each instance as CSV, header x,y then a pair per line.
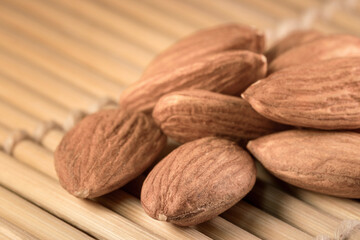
x,y
191,114
206,42
319,49
198,181
325,162
323,95
106,150
294,39
228,72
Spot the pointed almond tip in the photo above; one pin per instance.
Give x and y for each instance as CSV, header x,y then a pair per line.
x,y
243,96
162,217
263,59
248,145
82,193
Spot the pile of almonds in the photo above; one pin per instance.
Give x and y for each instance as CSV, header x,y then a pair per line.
x,y
300,121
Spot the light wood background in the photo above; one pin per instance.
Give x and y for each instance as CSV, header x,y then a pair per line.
x,y
62,59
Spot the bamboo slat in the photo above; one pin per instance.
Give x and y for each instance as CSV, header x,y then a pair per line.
x,y
10,231
272,9
346,20
126,204
342,208
300,6
308,10
29,102
11,118
66,69
87,34
44,83
48,194
325,27
114,68
230,10
94,12
4,133
223,229
16,119
265,225
186,13
34,220
292,210
150,16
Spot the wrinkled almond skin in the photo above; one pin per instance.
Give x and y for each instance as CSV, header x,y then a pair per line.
x,y
192,114
320,161
294,39
106,150
324,48
206,42
198,181
228,72
322,95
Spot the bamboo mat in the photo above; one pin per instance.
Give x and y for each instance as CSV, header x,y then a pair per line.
x,y
60,60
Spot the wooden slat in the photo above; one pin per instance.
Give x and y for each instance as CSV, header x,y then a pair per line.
x,y
31,103
34,220
264,225
4,132
272,9
114,68
300,6
292,210
186,13
94,12
87,34
126,204
340,207
150,16
44,83
9,231
346,20
67,70
11,118
235,12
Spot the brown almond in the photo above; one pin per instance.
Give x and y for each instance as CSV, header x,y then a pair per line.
x,y
191,114
294,39
206,42
198,181
323,95
228,72
324,162
319,49
106,150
